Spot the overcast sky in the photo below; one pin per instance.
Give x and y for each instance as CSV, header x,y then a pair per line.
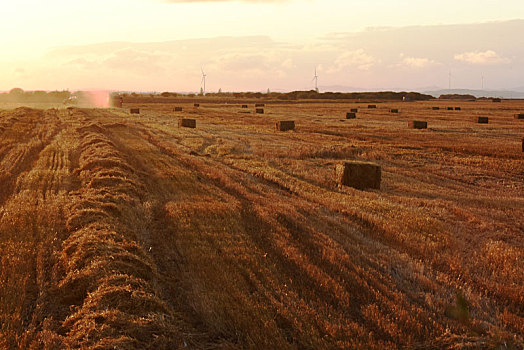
x,y
155,45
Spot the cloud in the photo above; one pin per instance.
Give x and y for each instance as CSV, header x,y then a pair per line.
x,y
140,61
353,59
252,63
481,57
416,62
129,60
369,59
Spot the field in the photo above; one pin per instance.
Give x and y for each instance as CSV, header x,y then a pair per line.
x,y
126,231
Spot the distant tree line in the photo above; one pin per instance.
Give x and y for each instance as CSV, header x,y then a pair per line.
x,y
307,95
457,97
19,95
380,95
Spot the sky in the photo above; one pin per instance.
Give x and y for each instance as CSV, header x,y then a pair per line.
x,y
157,45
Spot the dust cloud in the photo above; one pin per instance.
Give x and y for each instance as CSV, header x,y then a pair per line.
x,y
98,99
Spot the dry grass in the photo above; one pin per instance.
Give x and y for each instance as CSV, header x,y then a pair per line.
x,y
125,231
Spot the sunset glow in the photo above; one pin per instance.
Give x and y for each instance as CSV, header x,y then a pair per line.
x,y
255,45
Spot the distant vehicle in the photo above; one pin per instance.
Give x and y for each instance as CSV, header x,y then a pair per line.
x,y
73,100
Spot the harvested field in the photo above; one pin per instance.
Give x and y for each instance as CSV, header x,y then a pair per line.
x,y
126,231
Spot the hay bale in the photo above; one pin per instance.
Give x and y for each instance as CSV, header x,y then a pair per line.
x,y
457,108
393,110
417,124
450,108
260,105
372,106
435,108
482,120
519,116
351,115
134,111
285,125
354,110
496,100
187,123
259,110
360,175
244,106
178,109
196,105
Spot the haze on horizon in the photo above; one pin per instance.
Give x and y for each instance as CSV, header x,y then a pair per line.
x,y
155,45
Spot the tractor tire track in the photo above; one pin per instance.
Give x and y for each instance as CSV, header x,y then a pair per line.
x,y
30,133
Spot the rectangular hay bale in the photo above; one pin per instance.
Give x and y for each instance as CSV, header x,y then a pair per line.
x,y
285,125
393,110
360,175
187,123
372,106
519,116
450,108
418,124
134,111
351,115
196,105
435,108
482,120
260,105
458,108
353,110
259,110
178,109
244,106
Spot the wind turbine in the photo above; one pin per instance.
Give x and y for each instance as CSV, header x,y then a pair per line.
x,y
315,78
203,82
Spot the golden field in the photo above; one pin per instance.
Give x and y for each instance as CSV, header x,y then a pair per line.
x,y
126,231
